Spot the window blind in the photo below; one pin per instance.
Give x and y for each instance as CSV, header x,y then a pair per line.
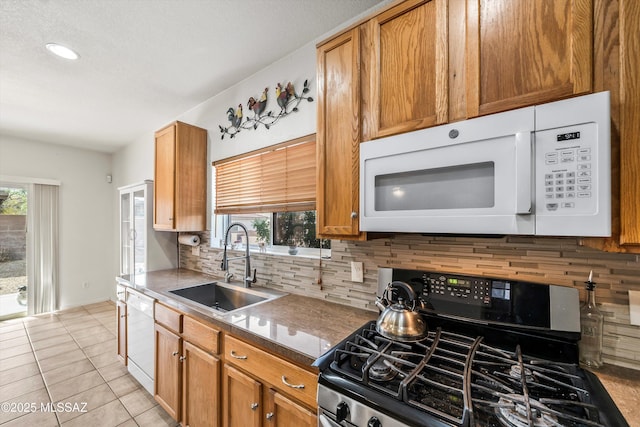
x,y
280,180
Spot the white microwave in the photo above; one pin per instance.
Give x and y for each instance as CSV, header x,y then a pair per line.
x,y
542,170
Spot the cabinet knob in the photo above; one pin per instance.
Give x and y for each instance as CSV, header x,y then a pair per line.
x,y
354,215
254,406
123,316
269,415
183,358
175,353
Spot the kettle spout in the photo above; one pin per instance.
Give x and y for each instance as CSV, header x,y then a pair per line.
x,y
381,303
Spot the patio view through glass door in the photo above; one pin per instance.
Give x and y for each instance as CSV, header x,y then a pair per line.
x,y
13,251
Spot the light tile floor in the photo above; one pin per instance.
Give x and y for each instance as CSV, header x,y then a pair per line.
x,y
61,369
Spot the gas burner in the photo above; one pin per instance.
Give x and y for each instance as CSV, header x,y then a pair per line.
x,y
380,369
512,411
516,373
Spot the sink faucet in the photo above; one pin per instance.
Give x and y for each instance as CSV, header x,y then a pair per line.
x,y
248,280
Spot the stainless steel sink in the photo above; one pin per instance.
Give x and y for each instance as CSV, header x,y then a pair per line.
x,y
223,298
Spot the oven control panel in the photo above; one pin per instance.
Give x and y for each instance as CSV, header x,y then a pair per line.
x,y
489,299
474,291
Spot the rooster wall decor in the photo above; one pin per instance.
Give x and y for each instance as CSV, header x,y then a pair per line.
x,y
287,99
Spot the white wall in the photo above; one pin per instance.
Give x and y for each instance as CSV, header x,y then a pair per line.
x,y
86,212
134,163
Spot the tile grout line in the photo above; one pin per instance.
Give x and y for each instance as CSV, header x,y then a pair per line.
x,y
88,358
35,356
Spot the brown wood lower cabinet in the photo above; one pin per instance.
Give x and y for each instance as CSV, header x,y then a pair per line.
x,y
121,319
242,399
261,389
167,371
200,387
187,374
281,411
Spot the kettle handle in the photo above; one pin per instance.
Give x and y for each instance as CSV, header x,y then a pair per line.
x,y
402,285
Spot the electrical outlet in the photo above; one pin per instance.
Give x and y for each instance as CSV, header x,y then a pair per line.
x,y
634,307
357,272
195,251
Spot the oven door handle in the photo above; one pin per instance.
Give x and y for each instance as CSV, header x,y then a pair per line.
x,y
325,421
523,172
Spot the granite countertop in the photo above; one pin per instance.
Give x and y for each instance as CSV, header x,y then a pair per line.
x,y
623,385
302,328
296,327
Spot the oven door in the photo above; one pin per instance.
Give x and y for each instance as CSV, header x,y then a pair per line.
x,y
471,177
325,420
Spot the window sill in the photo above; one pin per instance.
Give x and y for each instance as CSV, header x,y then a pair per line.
x,y
311,253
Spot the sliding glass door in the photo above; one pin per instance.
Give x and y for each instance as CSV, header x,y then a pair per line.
x,y
13,250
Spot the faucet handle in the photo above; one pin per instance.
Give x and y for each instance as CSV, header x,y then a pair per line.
x,y
253,280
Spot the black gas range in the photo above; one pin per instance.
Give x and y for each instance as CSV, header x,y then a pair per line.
x,y
498,353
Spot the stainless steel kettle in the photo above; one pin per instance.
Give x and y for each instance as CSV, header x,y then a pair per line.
x,y
398,321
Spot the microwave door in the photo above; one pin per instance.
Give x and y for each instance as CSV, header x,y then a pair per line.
x,y
474,187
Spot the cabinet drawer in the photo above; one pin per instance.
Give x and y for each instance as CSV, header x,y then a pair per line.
x,y
200,334
121,293
168,317
286,377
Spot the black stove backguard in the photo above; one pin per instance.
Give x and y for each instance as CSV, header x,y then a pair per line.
x,y
473,372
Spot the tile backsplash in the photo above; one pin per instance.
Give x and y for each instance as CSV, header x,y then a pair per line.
x,y
558,261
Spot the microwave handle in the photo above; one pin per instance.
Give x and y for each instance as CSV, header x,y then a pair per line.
x,y
523,172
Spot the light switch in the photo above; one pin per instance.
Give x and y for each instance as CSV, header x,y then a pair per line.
x,y
357,272
634,307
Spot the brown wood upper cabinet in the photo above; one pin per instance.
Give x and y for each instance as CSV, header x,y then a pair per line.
x,y
338,136
180,191
524,52
404,69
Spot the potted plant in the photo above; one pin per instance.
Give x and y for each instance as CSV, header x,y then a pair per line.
x,y
261,226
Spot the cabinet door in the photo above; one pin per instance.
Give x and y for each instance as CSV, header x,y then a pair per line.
x,y
164,188
190,178
200,387
404,56
242,404
338,136
121,319
126,234
139,232
167,371
525,52
282,412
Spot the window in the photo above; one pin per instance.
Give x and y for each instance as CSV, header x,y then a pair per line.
x,y
277,231
272,193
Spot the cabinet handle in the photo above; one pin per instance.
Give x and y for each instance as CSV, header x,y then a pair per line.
x,y
123,316
183,358
284,381
236,356
175,353
354,215
254,406
269,415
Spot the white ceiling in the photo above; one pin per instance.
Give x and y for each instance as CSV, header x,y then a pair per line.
x,y
142,62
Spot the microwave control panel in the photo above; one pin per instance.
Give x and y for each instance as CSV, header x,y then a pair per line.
x,y
566,170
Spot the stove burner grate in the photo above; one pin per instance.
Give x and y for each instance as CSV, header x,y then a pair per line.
x,y
466,382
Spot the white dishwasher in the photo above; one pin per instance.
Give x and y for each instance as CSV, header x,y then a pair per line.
x,y
140,338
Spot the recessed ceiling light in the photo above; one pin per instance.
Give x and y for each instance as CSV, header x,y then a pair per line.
x,y
62,51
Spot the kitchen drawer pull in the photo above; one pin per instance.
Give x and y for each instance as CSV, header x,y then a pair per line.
x,y
284,381
236,356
